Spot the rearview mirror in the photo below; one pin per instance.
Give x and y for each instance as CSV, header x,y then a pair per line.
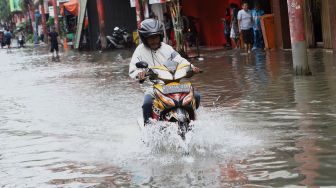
x,y
141,65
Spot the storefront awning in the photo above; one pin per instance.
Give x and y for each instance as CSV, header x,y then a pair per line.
x,y
71,6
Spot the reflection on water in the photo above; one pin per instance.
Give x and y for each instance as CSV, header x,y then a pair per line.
x,y
73,123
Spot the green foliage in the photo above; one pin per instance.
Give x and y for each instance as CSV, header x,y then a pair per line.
x,y
25,4
5,13
50,22
30,38
23,26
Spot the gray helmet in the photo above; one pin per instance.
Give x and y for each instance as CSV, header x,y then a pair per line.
x,y
150,27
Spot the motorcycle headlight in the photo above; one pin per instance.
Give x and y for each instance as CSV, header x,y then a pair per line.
x,y
165,99
187,99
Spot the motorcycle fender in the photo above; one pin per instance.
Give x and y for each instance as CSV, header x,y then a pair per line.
x,y
180,115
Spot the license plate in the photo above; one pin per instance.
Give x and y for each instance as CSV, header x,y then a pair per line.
x,y
176,89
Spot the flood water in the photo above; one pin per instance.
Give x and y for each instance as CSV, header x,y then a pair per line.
x,y
74,123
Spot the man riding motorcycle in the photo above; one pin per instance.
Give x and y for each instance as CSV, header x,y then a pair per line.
x,y
154,52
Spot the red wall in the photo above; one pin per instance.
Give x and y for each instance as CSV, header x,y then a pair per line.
x,y
210,14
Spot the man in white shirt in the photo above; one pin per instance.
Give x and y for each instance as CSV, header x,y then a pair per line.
x,y
245,23
154,52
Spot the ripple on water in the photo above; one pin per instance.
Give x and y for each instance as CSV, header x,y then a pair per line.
x,y
66,124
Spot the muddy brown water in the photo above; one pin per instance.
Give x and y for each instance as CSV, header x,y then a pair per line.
x,y
74,123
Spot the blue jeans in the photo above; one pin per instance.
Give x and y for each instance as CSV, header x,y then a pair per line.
x,y
148,104
258,39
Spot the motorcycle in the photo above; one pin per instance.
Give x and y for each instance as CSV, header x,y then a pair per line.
x,y
21,41
174,100
120,38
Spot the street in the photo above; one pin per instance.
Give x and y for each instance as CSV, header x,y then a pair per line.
x,y
73,123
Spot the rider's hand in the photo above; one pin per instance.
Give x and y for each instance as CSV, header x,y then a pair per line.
x,y
196,70
141,75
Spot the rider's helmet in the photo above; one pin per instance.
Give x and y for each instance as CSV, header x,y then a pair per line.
x,y
150,27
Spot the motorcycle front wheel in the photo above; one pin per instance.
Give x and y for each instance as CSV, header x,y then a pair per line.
x,y
183,129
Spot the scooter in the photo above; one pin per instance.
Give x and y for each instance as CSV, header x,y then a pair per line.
x,y
120,38
174,100
21,41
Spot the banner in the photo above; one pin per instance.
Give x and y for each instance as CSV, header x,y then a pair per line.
x,y
61,1
15,5
132,2
51,11
156,1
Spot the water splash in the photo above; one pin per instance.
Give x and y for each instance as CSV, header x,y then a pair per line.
x,y
215,134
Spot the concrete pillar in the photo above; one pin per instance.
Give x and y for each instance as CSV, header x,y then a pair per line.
x,y
101,15
44,22
298,38
54,4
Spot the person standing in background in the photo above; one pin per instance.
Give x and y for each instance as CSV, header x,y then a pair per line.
x,y
227,27
234,33
8,39
245,22
53,41
257,12
168,23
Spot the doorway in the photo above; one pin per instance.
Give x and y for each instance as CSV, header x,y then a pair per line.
x,y
313,23
264,5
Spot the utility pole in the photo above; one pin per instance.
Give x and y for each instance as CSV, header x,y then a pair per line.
x,y
298,37
138,13
101,15
32,18
44,23
54,4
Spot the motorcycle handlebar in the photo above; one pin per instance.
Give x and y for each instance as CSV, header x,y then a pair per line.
x,y
143,80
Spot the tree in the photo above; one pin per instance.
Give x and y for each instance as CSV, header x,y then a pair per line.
x,y
5,14
26,5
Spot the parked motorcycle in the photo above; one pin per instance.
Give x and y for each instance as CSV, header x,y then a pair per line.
x,y
120,38
174,100
190,30
21,41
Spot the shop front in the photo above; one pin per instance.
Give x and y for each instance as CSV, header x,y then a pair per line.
x,y
207,18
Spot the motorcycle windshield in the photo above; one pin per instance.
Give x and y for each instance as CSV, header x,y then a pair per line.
x,y
171,65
